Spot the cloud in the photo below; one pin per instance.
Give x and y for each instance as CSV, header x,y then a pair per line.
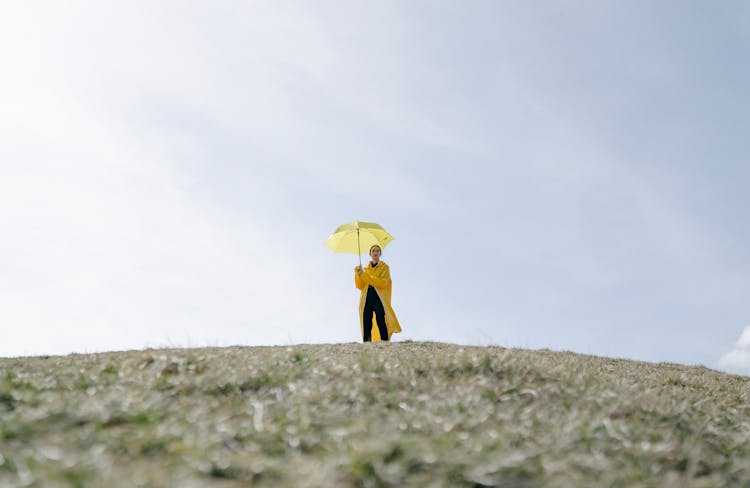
x,y
115,252
108,240
739,357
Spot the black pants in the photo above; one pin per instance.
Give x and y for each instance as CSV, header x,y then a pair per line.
x,y
373,304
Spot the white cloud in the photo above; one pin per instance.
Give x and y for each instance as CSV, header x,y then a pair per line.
x,y
738,358
110,251
744,340
104,244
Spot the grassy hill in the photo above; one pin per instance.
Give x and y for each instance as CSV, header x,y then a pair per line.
x,y
408,413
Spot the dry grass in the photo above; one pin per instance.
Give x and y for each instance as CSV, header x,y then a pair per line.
x,y
420,414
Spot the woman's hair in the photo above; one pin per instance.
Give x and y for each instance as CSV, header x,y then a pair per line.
x,y
375,245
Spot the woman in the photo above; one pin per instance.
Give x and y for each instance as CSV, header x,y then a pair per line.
x,y
375,283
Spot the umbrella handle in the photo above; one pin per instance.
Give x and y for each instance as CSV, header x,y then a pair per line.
x,y
359,252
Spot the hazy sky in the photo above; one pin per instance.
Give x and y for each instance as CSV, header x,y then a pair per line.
x,y
556,175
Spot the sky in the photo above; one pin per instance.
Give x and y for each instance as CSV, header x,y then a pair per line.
x,y
568,176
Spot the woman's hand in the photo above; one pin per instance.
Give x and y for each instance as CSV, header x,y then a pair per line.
x,y
359,270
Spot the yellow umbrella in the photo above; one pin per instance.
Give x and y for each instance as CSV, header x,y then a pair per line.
x,y
355,236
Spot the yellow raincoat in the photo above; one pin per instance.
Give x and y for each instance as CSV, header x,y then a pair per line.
x,y
380,279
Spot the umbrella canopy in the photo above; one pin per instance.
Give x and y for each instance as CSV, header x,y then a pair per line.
x,y
357,237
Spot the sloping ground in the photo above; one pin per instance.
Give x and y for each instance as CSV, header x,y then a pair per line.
x,y
420,414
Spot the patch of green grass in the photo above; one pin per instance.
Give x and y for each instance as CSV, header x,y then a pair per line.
x,y
109,369
8,401
138,418
77,476
224,471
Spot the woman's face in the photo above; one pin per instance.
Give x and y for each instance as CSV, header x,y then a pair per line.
x,y
375,254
